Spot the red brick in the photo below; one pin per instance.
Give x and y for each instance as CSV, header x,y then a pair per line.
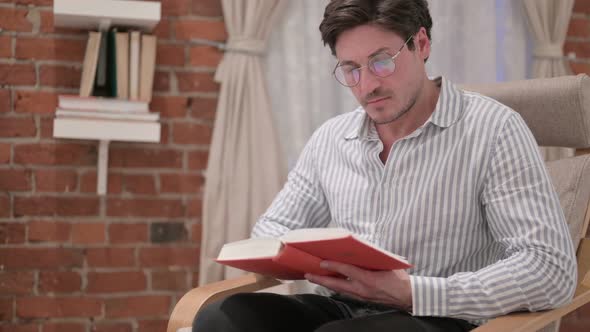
x,y
36,3
12,233
205,56
50,307
170,55
163,29
55,206
195,208
64,327
88,182
89,233
16,283
168,208
196,82
139,184
17,74
128,233
170,106
197,160
168,256
60,76
197,232
580,48
164,133
181,183
18,127
161,81
70,154
60,281
582,6
112,327
4,101
19,327
41,102
46,127
110,257
580,67
144,158
137,306
6,310
199,29
191,133
40,257
49,231
4,206
14,19
4,153
152,325
52,180
210,8
579,27
15,180
5,46
114,282
50,49
176,7
170,280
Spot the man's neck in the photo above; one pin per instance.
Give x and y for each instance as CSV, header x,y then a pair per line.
x,y
391,132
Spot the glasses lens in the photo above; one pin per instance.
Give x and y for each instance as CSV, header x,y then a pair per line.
x,y
347,75
382,65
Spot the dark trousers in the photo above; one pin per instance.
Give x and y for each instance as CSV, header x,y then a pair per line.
x,y
265,312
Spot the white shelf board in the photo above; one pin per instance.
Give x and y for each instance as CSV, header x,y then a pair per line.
x,y
102,14
106,130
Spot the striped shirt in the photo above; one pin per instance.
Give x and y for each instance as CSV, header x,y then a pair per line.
x,y
465,197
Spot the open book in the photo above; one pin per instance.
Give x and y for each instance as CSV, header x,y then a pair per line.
x,y
301,251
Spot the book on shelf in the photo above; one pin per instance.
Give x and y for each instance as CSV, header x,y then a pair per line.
x,y
122,64
106,129
134,64
107,115
91,56
91,103
147,66
300,251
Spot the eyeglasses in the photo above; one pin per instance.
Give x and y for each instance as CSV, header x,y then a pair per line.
x,y
381,65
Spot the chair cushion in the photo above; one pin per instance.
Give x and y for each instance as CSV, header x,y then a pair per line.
x,y
571,179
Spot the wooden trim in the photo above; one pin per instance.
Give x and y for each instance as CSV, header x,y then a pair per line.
x,y
532,322
186,309
580,152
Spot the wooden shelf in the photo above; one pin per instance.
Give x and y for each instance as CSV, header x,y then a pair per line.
x,y
102,14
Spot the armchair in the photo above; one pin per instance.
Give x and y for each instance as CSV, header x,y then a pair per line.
x,y
557,110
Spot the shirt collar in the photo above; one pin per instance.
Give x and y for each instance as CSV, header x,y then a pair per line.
x,y
447,111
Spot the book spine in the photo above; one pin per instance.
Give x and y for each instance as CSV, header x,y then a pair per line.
x,y
134,63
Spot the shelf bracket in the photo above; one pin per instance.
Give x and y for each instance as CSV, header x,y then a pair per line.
x,y
103,164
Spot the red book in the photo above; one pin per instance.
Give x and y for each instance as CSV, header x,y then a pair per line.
x,y
301,251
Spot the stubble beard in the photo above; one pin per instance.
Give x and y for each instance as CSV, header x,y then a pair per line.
x,y
399,114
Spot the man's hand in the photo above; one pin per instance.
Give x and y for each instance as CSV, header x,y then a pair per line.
x,y
387,287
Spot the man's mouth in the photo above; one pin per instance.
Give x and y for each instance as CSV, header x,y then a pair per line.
x,y
376,100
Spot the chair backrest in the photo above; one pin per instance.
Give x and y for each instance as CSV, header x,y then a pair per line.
x,y
557,110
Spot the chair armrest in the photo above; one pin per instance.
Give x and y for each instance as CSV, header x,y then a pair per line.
x,y
185,310
534,321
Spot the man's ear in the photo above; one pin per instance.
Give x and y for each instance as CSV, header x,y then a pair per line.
x,y
422,43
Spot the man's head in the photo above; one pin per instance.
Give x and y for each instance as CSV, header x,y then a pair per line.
x,y
381,47
404,17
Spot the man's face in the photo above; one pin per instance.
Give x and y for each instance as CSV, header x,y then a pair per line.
x,y
385,99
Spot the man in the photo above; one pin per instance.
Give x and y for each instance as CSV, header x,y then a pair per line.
x,y
450,179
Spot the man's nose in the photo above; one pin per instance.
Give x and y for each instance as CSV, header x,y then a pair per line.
x,y
368,82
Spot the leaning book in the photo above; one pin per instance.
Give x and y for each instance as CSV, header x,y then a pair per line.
x,y
300,251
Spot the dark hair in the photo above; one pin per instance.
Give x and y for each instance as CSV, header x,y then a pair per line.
x,y
404,17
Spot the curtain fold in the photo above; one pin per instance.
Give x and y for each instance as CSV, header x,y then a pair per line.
x,y
245,168
548,21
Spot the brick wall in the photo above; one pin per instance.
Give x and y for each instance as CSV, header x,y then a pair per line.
x,y
578,42
72,261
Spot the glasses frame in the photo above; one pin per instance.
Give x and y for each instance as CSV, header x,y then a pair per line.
x,y
368,65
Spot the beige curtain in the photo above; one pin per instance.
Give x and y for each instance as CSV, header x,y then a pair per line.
x,y
245,169
548,22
